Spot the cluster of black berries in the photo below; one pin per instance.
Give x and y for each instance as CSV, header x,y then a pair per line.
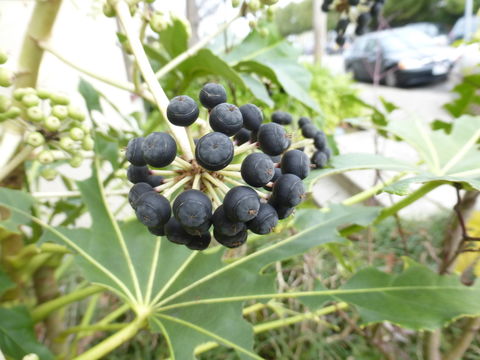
x,y
198,185
358,12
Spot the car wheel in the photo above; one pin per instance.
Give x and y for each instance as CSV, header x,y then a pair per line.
x,y
391,78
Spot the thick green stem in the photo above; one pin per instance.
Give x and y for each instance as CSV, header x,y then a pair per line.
x,y
43,310
114,341
464,340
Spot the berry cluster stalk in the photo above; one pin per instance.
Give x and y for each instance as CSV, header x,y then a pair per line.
x,y
161,99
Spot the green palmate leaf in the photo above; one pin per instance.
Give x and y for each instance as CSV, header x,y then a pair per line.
x,y
467,92
276,60
257,88
11,221
17,336
351,162
417,299
174,38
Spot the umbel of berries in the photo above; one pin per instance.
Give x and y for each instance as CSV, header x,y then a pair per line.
x,y
245,175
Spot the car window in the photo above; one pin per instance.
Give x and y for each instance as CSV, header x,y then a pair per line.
x,y
406,40
359,45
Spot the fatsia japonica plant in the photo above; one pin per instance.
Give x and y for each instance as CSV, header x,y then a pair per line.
x,y
220,194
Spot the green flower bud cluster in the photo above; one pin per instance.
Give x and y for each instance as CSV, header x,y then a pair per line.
x,y
7,76
53,126
258,9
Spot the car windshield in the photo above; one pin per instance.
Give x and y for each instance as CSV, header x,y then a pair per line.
x,y
405,41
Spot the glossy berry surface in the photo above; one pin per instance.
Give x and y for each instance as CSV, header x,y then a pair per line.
x,y
212,94
226,118
296,162
273,139
282,118
182,111
309,131
136,191
265,221
320,140
288,190
154,180
136,174
159,149
153,209
223,225
252,116
192,208
241,204
214,151
257,169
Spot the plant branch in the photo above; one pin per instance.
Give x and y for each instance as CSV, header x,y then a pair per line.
x,y
194,49
464,340
161,99
43,310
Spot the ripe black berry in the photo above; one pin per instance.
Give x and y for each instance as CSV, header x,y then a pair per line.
x,y
319,140
176,233
243,136
223,225
212,94
265,220
296,162
252,116
153,209
303,121
257,169
200,229
159,149
154,180
284,211
320,159
192,208
226,118
214,151
182,111
282,118
134,152
157,231
254,136
231,241
273,139
276,175
136,174
241,204
309,131
288,190
136,192
199,242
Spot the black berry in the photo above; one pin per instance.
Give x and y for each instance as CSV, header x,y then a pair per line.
x,y
265,220
226,118
252,116
282,118
192,208
243,136
212,94
320,140
320,159
159,149
303,121
136,174
199,242
288,190
241,204
154,180
157,231
136,191
134,152
276,175
296,162
214,151
231,241
257,169
273,139
223,225
153,209
176,233
309,131
182,111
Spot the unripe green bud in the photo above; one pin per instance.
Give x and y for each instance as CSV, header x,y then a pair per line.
x,y
43,94
3,57
108,9
5,103
76,160
75,113
7,77
35,139
35,114
49,174
67,143
13,112
254,5
270,13
87,143
263,32
252,24
19,93
158,22
59,99
236,3
60,111
31,357
30,100
52,123
45,157
269,2
76,134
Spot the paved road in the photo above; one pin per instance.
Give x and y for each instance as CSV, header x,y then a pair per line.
x,y
424,101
